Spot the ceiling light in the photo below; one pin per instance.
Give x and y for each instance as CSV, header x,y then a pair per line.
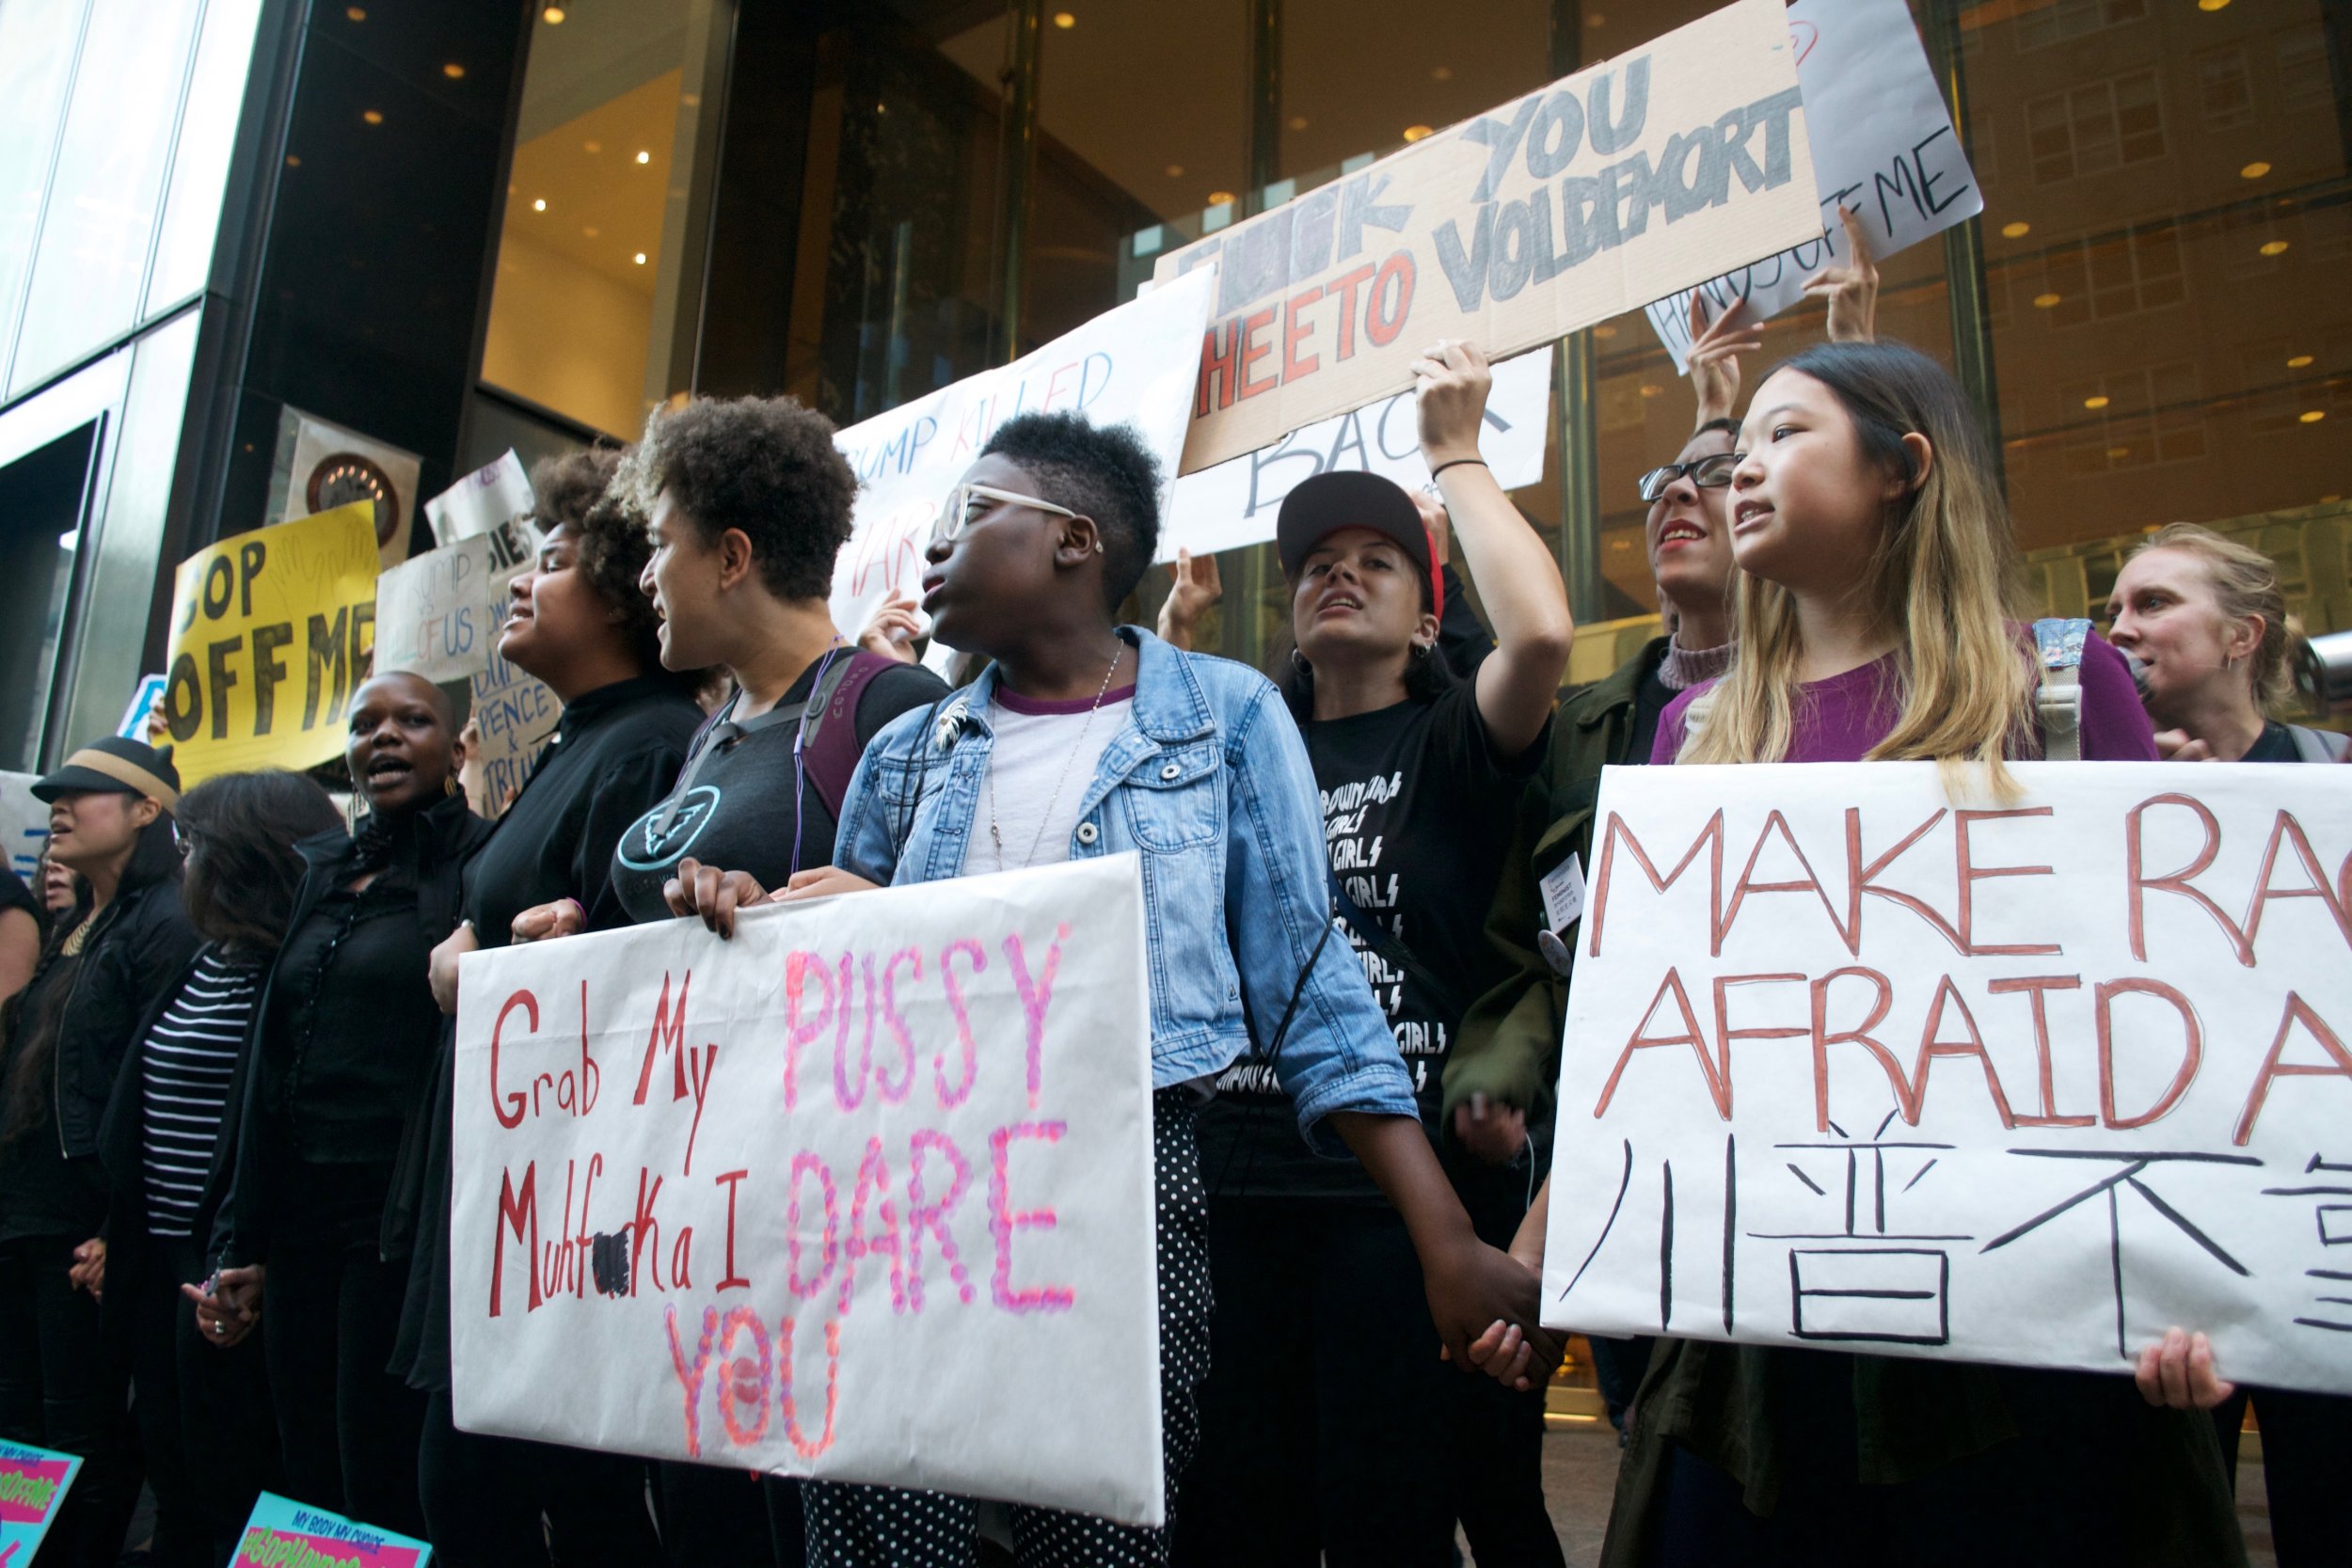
x,y
540,205
2212,4
1441,74
1175,171
1604,331
2254,171
2098,402
1596,19
2015,231
357,13
2043,302
640,258
294,162
1220,199
2299,362
373,116
1620,543
553,16
591,230
2274,248
69,540
1298,122
592,146
453,71
2312,415
2120,452
1415,132
1065,21
645,157
1651,389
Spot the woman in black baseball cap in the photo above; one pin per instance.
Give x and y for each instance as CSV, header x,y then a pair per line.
x,y
110,820
1324,1349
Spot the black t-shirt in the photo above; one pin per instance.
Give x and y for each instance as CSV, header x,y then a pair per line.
x,y
2274,744
1417,812
352,1023
42,1193
747,806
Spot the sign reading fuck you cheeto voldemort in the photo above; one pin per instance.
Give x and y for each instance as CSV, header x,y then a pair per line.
x,y
1855,1065
865,1193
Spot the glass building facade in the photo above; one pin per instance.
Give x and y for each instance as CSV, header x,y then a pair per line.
x,y
561,215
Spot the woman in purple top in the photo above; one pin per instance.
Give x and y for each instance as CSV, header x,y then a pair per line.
x,y
1877,560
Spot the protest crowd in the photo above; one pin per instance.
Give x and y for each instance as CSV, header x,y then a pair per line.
x,y
227,1168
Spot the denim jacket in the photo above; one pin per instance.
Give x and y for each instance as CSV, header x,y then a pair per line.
x,y
1208,783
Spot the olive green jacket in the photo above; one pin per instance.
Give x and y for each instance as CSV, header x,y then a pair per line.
x,y
1508,1047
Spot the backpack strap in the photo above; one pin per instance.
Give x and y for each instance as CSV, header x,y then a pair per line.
x,y
829,742
2318,745
2057,701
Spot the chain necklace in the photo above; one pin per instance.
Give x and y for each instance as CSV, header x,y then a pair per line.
x,y
995,833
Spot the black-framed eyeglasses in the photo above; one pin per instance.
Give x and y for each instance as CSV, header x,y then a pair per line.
x,y
1707,473
966,504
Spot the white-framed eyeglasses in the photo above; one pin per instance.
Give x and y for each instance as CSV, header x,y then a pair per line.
x,y
967,504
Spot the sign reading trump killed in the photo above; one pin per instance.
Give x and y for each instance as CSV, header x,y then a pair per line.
x,y
1852,1064
854,1194
1579,202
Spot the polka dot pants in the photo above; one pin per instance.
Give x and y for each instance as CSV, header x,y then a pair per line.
x,y
882,1527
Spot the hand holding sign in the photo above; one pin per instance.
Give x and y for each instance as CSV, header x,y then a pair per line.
x,y
1715,352
1851,289
1195,590
1452,380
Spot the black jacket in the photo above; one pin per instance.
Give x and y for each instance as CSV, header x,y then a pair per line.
x,y
241,1185
134,960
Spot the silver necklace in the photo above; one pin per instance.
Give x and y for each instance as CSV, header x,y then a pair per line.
x,y
995,833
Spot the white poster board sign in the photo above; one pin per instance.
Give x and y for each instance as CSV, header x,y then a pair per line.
x,y
865,1193
436,613
494,494
2027,1085
1134,365
1235,503
1882,145
24,824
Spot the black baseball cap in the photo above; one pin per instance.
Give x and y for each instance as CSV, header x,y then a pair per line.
x,y
116,765
1343,498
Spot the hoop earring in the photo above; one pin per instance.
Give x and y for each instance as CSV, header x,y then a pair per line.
x,y
1299,662
449,785
1420,651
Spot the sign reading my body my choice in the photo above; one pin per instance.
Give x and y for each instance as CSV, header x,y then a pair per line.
x,y
271,632
32,1485
865,1193
1575,203
1853,1065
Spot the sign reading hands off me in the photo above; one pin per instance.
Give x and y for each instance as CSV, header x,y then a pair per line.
x,y
1847,1065
863,1193
1578,202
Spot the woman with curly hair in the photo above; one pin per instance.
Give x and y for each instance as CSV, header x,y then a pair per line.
x,y
579,623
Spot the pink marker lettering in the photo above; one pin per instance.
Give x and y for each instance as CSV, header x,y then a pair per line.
x,y
848,1089
804,1164
897,1094
873,1182
922,1216
832,1389
1036,998
747,1378
949,1098
797,969
691,1378
1003,1221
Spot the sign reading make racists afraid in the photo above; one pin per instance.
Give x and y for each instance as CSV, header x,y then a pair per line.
x,y
1849,1064
865,1193
1578,202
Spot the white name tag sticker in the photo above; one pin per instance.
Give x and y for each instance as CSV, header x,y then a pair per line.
x,y
1564,893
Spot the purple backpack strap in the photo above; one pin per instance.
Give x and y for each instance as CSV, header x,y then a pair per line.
x,y
834,747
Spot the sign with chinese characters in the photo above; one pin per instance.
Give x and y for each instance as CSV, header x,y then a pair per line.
x,y
865,1193
1852,1064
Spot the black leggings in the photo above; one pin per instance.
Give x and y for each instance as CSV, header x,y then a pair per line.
x,y
204,1418
59,1389
485,1497
330,1312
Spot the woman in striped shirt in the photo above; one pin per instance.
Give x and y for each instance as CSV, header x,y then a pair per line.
x,y
205,1422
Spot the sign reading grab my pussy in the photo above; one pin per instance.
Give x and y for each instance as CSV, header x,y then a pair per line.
x,y
854,1194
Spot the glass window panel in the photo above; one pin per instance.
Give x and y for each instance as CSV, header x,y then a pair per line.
x,y
37,42
199,164
99,225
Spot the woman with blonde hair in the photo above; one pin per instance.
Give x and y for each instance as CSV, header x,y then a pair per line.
x,y
2203,617
1871,622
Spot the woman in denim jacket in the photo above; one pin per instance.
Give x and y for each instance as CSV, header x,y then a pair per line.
x,y
1193,763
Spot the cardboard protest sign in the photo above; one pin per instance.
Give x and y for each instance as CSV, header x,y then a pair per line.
x,y
1849,1065
1882,145
271,632
514,713
24,824
495,494
32,1485
1578,202
1132,365
434,612
282,1533
1235,503
848,1196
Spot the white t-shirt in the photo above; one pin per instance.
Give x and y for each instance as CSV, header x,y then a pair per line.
x,y
1044,759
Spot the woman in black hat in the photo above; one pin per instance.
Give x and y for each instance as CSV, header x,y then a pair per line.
x,y
1328,1426
305,1235
68,1031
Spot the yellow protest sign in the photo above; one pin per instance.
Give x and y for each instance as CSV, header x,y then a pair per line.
x,y
271,631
